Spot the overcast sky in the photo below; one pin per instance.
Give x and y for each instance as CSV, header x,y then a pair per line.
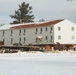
x,y
47,9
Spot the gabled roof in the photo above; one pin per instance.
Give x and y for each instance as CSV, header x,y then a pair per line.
x,y
38,24
29,25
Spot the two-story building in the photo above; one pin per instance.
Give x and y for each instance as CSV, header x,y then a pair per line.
x,y
63,31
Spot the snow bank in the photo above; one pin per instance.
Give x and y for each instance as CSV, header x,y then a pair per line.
x,y
39,63
37,55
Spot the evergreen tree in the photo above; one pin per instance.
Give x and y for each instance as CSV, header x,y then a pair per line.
x,y
23,14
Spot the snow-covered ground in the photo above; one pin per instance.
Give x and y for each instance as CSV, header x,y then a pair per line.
x,y
24,63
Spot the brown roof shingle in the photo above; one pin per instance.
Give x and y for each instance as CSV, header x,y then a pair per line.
x,y
38,24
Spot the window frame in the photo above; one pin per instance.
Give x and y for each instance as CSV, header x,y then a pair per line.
x,y
59,28
59,37
72,28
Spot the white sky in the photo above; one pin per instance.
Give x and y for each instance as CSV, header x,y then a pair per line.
x,y
47,9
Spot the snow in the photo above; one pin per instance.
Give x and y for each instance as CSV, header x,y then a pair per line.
x,y
38,63
5,27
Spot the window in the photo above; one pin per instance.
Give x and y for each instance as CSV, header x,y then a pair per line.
x,y
3,33
3,40
72,37
46,38
46,29
19,39
51,28
51,37
24,39
41,30
59,28
11,32
24,31
36,30
72,28
11,40
19,32
59,37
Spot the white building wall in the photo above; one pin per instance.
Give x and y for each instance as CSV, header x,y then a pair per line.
x,y
66,32
4,36
1,35
30,36
15,36
19,37
45,34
